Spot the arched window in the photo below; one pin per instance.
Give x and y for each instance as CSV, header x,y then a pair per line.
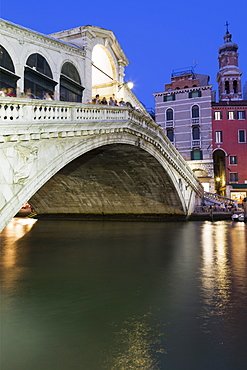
x,y
235,86
70,84
195,111
7,70
169,114
38,77
170,134
196,133
227,87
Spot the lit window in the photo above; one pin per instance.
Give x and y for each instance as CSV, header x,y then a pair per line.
x,y
241,114
233,177
196,155
218,136
195,94
232,114
217,115
169,97
241,136
233,159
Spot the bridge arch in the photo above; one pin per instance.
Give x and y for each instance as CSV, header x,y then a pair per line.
x,y
104,72
113,178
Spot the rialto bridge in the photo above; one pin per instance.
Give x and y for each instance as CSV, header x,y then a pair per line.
x,y
67,156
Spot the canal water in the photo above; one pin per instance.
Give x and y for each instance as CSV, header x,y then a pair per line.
x,y
111,295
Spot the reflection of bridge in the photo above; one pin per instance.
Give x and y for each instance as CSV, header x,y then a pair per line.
x,y
83,158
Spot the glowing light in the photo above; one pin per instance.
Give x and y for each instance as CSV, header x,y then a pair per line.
x,y
130,85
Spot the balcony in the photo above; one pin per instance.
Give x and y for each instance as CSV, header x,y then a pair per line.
x,y
196,144
169,124
195,121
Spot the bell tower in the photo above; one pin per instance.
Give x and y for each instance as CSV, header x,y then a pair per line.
x,y
229,75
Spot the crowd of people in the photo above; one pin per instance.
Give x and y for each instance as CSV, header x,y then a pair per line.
x,y
112,101
4,91
48,95
10,92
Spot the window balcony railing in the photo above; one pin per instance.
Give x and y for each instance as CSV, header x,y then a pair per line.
x,y
169,124
196,143
195,121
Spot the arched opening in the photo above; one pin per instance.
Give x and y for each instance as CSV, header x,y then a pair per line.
x,y
170,134
169,114
103,73
227,87
38,77
195,111
195,132
8,77
235,86
219,158
70,84
112,179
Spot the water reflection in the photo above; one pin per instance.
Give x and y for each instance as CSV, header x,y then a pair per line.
x,y
137,345
223,265
14,231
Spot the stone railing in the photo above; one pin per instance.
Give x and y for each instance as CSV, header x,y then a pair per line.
x,y
19,117
218,199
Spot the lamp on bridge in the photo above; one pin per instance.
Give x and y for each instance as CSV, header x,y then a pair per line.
x,y
130,85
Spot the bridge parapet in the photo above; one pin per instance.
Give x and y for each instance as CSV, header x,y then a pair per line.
x,y
27,119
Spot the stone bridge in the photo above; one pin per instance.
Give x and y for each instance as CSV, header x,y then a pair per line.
x,y
65,157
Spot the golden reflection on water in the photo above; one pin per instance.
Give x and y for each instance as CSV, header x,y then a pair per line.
x,y
14,231
223,264
136,346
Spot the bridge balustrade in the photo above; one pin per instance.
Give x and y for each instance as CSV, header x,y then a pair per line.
x,y
34,112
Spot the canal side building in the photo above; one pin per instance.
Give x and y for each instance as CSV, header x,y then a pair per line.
x,y
183,110
230,125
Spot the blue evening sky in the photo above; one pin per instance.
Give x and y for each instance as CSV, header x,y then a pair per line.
x,y
156,36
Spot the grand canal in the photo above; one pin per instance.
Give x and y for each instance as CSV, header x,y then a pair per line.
x,y
112,295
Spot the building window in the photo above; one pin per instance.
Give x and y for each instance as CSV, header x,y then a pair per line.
x,y
218,136
232,114
233,177
70,84
7,70
217,115
170,134
195,111
169,115
241,136
233,159
242,114
196,155
227,87
196,133
169,97
235,86
195,94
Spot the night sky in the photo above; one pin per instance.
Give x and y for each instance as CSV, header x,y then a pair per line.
x,y
156,36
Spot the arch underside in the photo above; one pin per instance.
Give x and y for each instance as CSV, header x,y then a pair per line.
x,y
112,179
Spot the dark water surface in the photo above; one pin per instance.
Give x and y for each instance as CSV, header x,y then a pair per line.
x,y
112,295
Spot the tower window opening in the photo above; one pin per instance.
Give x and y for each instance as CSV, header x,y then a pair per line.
x,y
196,133
235,86
227,87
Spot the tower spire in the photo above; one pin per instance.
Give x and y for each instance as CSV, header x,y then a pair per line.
x,y
229,75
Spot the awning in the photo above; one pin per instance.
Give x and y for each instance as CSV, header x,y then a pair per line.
x,y
239,186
